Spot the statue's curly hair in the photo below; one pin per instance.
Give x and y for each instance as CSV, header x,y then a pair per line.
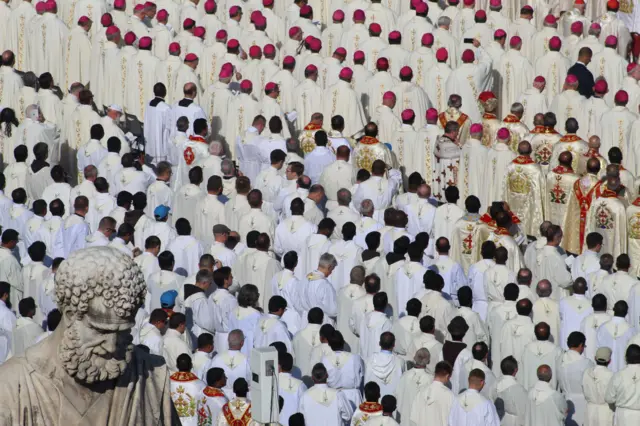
x,y
100,271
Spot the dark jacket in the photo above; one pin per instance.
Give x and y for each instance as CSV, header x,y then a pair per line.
x,y
585,79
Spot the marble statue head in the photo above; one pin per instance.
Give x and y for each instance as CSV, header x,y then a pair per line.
x,y
98,291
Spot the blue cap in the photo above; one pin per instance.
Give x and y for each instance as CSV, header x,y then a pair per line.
x,y
168,298
161,211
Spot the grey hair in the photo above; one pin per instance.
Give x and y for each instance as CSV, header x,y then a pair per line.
x,y
204,276
30,79
517,108
227,167
90,171
444,21
235,339
366,207
182,124
216,148
327,260
357,275
422,357
344,197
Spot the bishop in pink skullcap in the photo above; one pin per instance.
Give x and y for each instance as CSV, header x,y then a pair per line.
x,y
119,4
427,39
406,72
422,7
468,2
260,22
221,35
293,31
577,27
555,43
174,47
233,11
311,69
527,8
407,115
199,32
388,95
269,49
375,28
432,114
50,5
442,55
358,15
227,66
191,57
358,56
270,87
340,51
105,19
395,35
41,7
129,38
495,3
338,16
113,30
267,3
346,73
499,33
289,60
481,14
468,56
83,20
382,64
225,73
595,26
255,52
233,44
162,15
475,128
601,87
503,134
571,79
246,85
611,41
539,79
138,7
188,23
315,45
209,6
515,41
144,43
306,10
621,98
550,20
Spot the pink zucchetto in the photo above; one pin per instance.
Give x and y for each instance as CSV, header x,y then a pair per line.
x,y
269,49
515,41
442,55
622,97
468,56
199,32
162,15
315,45
225,73
432,114
555,43
191,57
174,47
358,56
221,35
495,3
481,14
119,4
289,60
388,95
611,41
129,38
395,35
475,128
255,52
138,8
209,6
358,15
311,69
550,20
233,44
601,87
112,30
246,85
571,79
499,33
406,71
382,64
338,15
577,27
503,134
422,8
346,73
293,31
144,43
427,39
341,51
105,19
539,79
375,28
407,115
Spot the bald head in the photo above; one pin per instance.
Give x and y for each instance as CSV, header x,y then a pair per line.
x,y
8,58
190,90
565,158
524,148
543,289
544,373
579,286
538,119
424,191
342,153
594,142
593,166
542,330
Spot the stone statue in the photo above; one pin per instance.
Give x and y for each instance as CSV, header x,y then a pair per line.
x,y
88,372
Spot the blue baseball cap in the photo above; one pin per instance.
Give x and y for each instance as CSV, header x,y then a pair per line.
x,y
168,298
161,211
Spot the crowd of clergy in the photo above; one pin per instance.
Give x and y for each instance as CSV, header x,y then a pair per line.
x,y
431,210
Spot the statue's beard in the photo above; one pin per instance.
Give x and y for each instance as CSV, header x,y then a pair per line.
x,y
90,363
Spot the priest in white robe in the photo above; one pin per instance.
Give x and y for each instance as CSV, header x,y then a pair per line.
x,y
77,49
341,99
471,407
615,334
471,79
27,330
53,33
511,402
573,365
141,78
546,406
434,401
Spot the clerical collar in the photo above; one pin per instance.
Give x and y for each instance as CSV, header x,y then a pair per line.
x,y
155,101
185,102
38,165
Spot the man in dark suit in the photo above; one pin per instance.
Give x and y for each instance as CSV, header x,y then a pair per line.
x,y
579,69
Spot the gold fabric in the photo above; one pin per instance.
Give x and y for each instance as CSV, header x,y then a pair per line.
x,y
580,199
369,150
452,114
464,239
518,131
557,190
490,126
633,233
524,189
591,153
542,145
607,216
576,146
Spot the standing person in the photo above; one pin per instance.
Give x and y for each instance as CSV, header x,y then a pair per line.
x,y
595,382
623,387
434,402
321,404
582,73
571,370
511,402
546,406
471,407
